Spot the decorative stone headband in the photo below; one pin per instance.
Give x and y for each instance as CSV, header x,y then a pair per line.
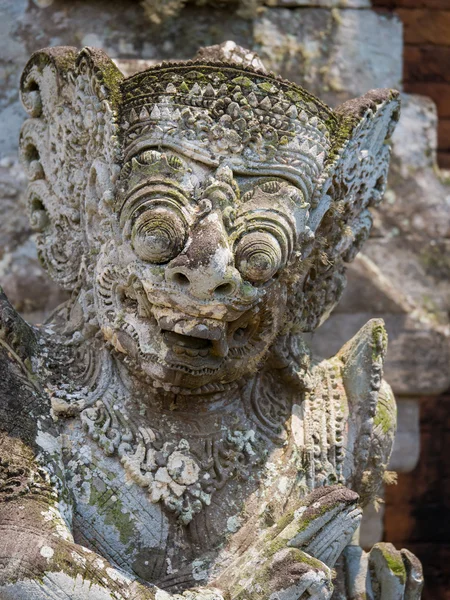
x,y
215,113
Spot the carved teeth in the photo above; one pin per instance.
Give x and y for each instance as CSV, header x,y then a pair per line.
x,y
234,110
133,116
277,108
303,117
166,114
252,100
171,89
292,112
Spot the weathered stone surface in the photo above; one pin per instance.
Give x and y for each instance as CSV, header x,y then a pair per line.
x,y
21,274
188,210
312,47
120,28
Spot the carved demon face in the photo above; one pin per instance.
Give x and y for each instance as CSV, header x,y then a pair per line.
x,y
195,290
208,206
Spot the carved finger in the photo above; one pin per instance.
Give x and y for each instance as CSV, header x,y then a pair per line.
x,y
331,540
386,564
358,584
325,526
414,575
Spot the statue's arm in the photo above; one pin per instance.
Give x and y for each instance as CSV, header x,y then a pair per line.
x,y
38,557
384,572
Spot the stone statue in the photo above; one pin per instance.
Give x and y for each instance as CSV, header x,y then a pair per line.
x,y
167,434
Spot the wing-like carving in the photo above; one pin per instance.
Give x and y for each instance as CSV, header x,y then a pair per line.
x,y
72,99
353,181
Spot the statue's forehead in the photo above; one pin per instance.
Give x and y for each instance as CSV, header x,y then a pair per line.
x,y
170,165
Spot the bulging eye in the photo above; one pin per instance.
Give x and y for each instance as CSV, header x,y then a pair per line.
x,y
258,256
158,235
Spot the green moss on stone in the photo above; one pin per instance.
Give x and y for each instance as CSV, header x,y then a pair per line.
x,y
113,515
395,564
384,418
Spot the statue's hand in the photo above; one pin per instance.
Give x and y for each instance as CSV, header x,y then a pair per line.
x,y
293,558
395,574
383,573
324,524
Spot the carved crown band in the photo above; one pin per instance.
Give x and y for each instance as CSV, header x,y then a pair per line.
x,y
253,122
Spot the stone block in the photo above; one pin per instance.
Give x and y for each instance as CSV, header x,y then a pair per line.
x,y
335,54
415,138
372,525
405,454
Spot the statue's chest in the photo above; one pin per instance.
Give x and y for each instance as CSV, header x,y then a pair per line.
x,y
140,528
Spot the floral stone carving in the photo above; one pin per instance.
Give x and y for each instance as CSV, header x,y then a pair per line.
x,y
167,432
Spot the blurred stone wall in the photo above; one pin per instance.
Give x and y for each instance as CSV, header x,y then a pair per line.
x,y
337,49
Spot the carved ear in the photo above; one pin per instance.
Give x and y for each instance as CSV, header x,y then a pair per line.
x,y
72,99
353,181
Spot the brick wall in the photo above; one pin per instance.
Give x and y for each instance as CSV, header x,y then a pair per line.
x,y
417,514
427,57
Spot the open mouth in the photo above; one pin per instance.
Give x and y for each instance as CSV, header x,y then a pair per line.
x,y
192,342
185,344
195,337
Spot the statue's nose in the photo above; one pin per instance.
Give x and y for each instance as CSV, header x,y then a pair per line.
x,y
206,269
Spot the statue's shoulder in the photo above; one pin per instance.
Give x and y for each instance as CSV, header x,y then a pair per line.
x,y
360,409
17,339
20,391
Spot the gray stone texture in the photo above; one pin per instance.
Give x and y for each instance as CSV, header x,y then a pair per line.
x,y
336,54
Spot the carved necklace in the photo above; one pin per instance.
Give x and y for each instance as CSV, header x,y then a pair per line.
x,y
180,461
